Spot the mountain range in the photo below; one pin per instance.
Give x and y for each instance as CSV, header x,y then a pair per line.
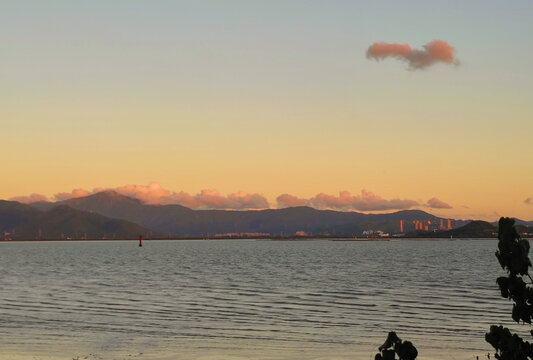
x,y
112,215
181,221
21,221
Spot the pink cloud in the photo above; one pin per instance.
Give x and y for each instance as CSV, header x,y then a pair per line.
x,y
287,200
30,198
212,199
433,52
382,50
154,194
366,201
435,203
76,193
250,201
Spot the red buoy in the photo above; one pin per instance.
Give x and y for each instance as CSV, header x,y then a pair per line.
x,y
140,240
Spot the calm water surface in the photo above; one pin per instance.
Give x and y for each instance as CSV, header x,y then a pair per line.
x,y
246,299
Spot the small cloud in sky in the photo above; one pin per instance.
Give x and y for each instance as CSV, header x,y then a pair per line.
x,y
432,53
435,203
30,198
365,201
528,201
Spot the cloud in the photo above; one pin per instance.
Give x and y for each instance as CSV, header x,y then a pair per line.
x,y
528,201
435,203
76,193
151,194
30,198
212,199
433,52
287,200
154,194
366,201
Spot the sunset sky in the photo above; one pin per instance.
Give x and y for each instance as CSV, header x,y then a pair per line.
x,y
253,104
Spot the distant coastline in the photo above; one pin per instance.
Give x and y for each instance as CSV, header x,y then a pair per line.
x,y
108,215
273,239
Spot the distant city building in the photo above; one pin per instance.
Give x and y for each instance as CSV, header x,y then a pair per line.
x,y
242,235
449,224
401,226
428,225
375,233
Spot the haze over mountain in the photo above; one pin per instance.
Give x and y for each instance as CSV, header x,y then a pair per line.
x,y
20,221
177,220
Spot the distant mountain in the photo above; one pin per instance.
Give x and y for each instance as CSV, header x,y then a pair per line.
x,y
111,204
177,220
20,221
474,229
44,205
16,215
518,222
523,229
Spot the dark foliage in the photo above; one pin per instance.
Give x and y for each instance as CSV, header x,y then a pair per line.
x,y
513,256
394,346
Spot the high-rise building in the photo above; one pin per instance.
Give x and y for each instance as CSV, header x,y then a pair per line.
x,y
449,224
401,226
441,227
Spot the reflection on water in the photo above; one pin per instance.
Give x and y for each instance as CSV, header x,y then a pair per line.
x,y
246,299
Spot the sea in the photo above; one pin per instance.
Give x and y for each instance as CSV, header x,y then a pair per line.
x,y
247,299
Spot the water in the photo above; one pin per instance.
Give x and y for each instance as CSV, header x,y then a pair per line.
x,y
246,299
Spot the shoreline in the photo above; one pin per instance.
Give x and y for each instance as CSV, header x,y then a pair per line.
x,y
274,239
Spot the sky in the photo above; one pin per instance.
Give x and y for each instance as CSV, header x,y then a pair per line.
x,y
255,104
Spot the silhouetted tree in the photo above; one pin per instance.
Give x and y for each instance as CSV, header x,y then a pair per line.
x,y
513,255
395,346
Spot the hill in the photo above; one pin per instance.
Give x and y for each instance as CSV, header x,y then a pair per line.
x,y
518,222
19,221
176,220
474,229
525,230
